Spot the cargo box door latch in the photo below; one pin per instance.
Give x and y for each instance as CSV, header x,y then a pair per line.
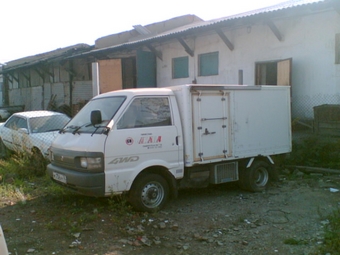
x,y
206,132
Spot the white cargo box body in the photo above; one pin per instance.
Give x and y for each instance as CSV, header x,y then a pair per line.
x,y
228,122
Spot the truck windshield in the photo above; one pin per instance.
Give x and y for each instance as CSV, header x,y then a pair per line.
x,y
81,123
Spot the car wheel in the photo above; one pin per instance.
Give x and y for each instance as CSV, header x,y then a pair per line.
x,y
256,177
149,193
38,162
4,152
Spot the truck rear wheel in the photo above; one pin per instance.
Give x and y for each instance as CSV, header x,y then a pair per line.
x,y
255,178
149,193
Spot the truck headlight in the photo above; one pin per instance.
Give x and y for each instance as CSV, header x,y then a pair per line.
x,y
91,163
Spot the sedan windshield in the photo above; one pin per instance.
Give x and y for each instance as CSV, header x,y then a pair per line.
x,y
47,123
108,107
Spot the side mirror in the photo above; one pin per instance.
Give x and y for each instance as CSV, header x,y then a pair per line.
x,y
96,117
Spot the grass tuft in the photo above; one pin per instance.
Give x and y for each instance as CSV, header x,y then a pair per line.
x,y
332,235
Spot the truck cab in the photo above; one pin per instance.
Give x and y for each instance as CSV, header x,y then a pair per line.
x,y
118,138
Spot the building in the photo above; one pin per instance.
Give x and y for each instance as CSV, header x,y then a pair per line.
x,y
296,43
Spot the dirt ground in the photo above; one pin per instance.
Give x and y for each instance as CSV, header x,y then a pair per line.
x,y
288,218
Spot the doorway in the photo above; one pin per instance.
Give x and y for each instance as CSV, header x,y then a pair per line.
x,y
277,72
129,72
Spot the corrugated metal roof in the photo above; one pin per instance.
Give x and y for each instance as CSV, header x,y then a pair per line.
x,y
277,7
47,56
165,35
273,8
198,25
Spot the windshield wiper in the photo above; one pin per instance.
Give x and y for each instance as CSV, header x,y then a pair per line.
x,y
76,129
54,129
63,129
105,130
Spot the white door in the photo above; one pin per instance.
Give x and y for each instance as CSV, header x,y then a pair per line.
x,y
143,136
211,126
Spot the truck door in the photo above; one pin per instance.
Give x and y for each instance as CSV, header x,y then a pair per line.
x,y
211,125
143,136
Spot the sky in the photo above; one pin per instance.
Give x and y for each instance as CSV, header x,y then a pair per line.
x,y
30,27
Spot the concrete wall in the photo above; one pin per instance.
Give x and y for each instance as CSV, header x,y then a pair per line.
x,y
36,93
308,40
35,99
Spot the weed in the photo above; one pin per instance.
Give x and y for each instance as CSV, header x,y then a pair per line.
x,y
87,218
120,205
315,151
52,226
23,165
241,219
293,241
321,215
332,235
71,225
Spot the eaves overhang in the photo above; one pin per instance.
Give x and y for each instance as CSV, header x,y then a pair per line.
x,y
48,57
292,7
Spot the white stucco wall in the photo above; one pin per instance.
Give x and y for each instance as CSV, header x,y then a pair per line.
x,y
308,40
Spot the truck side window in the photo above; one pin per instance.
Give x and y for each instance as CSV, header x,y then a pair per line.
x,y
146,112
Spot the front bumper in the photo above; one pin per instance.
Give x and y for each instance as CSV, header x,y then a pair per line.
x,y
90,184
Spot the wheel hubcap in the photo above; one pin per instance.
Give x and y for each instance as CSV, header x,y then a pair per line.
x,y
261,177
152,194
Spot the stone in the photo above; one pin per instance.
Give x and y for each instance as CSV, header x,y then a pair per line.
x,y
162,225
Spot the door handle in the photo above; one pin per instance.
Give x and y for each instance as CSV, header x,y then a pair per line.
x,y
206,132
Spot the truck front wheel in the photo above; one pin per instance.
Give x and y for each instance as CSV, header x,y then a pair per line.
x,y
149,193
255,178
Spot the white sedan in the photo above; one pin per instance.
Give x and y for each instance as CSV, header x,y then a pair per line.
x,y
31,131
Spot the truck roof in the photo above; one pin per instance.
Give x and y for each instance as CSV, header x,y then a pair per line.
x,y
138,91
168,90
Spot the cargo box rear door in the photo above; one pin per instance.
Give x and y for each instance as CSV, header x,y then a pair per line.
x,y
211,125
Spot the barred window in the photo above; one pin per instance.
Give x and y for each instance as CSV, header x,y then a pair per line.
x,y
208,64
180,67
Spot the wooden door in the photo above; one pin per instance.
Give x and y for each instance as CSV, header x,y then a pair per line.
x,y
110,75
284,70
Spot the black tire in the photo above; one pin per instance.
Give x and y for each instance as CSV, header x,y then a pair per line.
x,y
4,152
38,162
36,153
149,193
256,177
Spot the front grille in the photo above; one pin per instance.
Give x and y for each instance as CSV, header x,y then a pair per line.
x,y
71,159
61,160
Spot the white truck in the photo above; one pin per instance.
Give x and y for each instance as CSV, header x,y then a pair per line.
x,y
149,143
